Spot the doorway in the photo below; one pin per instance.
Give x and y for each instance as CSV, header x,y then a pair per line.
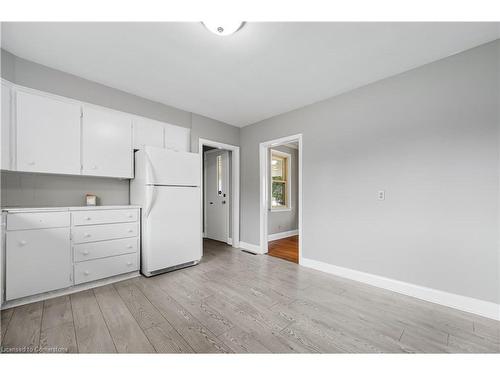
x,y
217,194
220,191
281,198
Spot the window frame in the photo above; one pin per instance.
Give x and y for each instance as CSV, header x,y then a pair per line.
x,y
288,176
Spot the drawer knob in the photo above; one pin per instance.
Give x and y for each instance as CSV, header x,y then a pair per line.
x,y
86,235
130,230
129,264
87,218
129,246
86,252
22,243
86,273
31,163
94,167
130,216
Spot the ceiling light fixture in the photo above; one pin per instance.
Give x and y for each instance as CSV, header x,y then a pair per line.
x,y
223,28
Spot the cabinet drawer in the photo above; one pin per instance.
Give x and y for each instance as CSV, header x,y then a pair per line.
x,y
92,233
104,216
106,267
37,220
95,250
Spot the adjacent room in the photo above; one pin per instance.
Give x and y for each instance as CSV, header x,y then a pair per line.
x,y
250,187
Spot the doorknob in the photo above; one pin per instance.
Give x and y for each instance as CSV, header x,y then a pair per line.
x,y
211,202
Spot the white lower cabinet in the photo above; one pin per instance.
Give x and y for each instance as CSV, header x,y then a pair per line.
x,y
47,251
104,249
100,268
92,233
38,261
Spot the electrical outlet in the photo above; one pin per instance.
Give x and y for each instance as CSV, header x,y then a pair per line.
x,y
381,195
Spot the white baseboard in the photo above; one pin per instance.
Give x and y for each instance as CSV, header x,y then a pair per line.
x,y
280,235
256,249
229,241
471,305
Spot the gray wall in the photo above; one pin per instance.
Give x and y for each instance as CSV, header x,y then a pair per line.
x,y
284,221
55,190
428,137
213,130
35,189
40,77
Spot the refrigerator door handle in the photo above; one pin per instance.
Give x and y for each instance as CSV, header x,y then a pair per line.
x,y
150,169
150,200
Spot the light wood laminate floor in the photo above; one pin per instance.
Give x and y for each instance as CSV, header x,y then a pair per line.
x,y
237,302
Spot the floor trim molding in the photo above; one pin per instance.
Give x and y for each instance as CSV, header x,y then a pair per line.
x,y
468,304
280,235
256,249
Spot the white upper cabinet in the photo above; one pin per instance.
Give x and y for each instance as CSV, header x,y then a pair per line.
x,y
47,134
177,138
5,128
147,133
106,143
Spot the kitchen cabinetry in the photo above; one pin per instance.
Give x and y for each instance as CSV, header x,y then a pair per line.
x,y
38,257
147,133
106,143
5,127
53,250
160,134
47,134
107,249
177,138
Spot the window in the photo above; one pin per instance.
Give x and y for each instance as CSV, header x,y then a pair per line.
x,y
219,174
280,180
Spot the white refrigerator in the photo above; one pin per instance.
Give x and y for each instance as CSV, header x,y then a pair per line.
x,y
167,186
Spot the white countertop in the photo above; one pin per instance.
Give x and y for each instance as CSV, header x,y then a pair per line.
x,y
72,208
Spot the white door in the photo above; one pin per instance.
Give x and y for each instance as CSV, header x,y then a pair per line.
x,y
5,128
106,143
217,195
147,133
48,134
37,261
172,227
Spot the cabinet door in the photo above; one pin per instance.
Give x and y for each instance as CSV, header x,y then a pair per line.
x,y
48,134
37,261
147,133
5,128
177,138
106,143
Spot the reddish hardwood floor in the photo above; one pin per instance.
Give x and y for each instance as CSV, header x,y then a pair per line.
x,y
285,248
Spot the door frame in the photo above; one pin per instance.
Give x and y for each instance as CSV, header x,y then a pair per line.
x,y
235,184
264,190
226,183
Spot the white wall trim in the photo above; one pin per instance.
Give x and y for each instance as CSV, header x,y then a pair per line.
x,y
280,235
235,170
471,305
264,190
256,249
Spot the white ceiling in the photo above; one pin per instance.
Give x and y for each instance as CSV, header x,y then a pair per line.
x,y
263,70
